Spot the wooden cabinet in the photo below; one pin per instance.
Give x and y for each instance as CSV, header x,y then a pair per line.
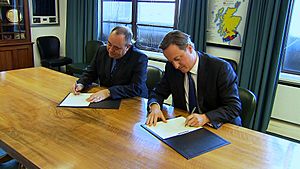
x,y
15,41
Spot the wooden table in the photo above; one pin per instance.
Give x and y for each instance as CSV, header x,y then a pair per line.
x,y
40,135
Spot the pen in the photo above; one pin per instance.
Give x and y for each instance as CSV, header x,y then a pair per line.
x,y
193,110
191,113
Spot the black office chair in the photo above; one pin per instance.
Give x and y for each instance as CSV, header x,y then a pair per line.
x,y
91,47
49,48
232,63
154,74
248,100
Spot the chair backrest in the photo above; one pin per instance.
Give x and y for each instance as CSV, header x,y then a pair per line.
x,y
91,48
154,74
248,100
48,47
232,63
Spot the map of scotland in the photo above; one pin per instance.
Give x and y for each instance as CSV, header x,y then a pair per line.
x,y
226,22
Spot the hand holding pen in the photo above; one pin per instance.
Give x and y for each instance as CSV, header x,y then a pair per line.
x,y
196,120
76,88
187,120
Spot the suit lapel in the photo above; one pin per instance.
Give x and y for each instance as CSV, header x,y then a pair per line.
x,y
180,87
201,78
108,66
122,61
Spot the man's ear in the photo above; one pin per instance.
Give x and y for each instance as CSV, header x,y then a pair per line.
x,y
128,46
189,48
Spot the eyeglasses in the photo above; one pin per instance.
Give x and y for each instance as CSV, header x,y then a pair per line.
x,y
115,48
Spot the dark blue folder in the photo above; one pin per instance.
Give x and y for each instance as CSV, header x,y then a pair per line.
x,y
194,143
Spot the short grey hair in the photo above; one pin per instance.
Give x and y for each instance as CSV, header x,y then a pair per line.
x,y
123,30
177,38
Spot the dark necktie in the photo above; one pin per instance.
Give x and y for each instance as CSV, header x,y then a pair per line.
x,y
114,66
192,94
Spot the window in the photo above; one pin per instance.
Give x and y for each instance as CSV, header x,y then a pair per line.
x,y
149,20
291,60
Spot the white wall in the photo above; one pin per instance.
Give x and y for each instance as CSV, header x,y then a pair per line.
x,y
233,54
56,30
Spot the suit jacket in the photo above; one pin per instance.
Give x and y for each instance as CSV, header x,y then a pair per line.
x,y
128,79
217,89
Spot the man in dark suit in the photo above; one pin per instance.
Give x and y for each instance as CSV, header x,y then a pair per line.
x,y
119,66
204,85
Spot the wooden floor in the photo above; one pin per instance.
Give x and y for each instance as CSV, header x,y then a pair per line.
x,y
284,128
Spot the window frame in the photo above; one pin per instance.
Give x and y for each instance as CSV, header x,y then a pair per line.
x,y
134,24
286,36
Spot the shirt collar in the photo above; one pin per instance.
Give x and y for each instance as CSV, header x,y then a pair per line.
x,y
195,67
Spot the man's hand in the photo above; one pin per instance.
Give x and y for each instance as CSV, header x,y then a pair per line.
x,y
155,114
196,120
76,88
99,96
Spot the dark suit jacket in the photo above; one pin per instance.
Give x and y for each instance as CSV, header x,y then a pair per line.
x,y
217,89
129,78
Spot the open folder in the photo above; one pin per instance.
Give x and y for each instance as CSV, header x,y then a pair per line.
x,y
79,101
187,141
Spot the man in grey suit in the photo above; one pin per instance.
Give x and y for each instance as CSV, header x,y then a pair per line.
x,y
119,66
203,85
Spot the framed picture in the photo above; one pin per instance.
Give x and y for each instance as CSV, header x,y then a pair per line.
x,y
226,22
44,12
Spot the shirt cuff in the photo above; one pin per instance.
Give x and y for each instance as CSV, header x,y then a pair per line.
x,y
152,104
80,84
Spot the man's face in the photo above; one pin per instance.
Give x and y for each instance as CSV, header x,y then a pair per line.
x,y
117,46
183,60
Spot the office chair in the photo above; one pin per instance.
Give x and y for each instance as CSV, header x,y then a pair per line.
x,y
7,162
4,157
248,100
49,48
232,63
91,47
154,74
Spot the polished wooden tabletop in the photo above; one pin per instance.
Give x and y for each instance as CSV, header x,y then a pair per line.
x,y
41,135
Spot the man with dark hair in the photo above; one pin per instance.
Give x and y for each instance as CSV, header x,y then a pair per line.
x,y
119,66
204,85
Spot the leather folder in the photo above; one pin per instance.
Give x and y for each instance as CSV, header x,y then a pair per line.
x,y
106,104
194,143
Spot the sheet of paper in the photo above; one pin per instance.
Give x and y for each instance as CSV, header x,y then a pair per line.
x,y
76,100
173,127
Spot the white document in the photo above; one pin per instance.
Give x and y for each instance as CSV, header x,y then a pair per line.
x,y
173,127
73,100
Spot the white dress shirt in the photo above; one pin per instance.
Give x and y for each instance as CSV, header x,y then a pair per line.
x,y
193,72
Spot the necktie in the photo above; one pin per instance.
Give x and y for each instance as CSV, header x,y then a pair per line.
x,y
192,94
114,66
